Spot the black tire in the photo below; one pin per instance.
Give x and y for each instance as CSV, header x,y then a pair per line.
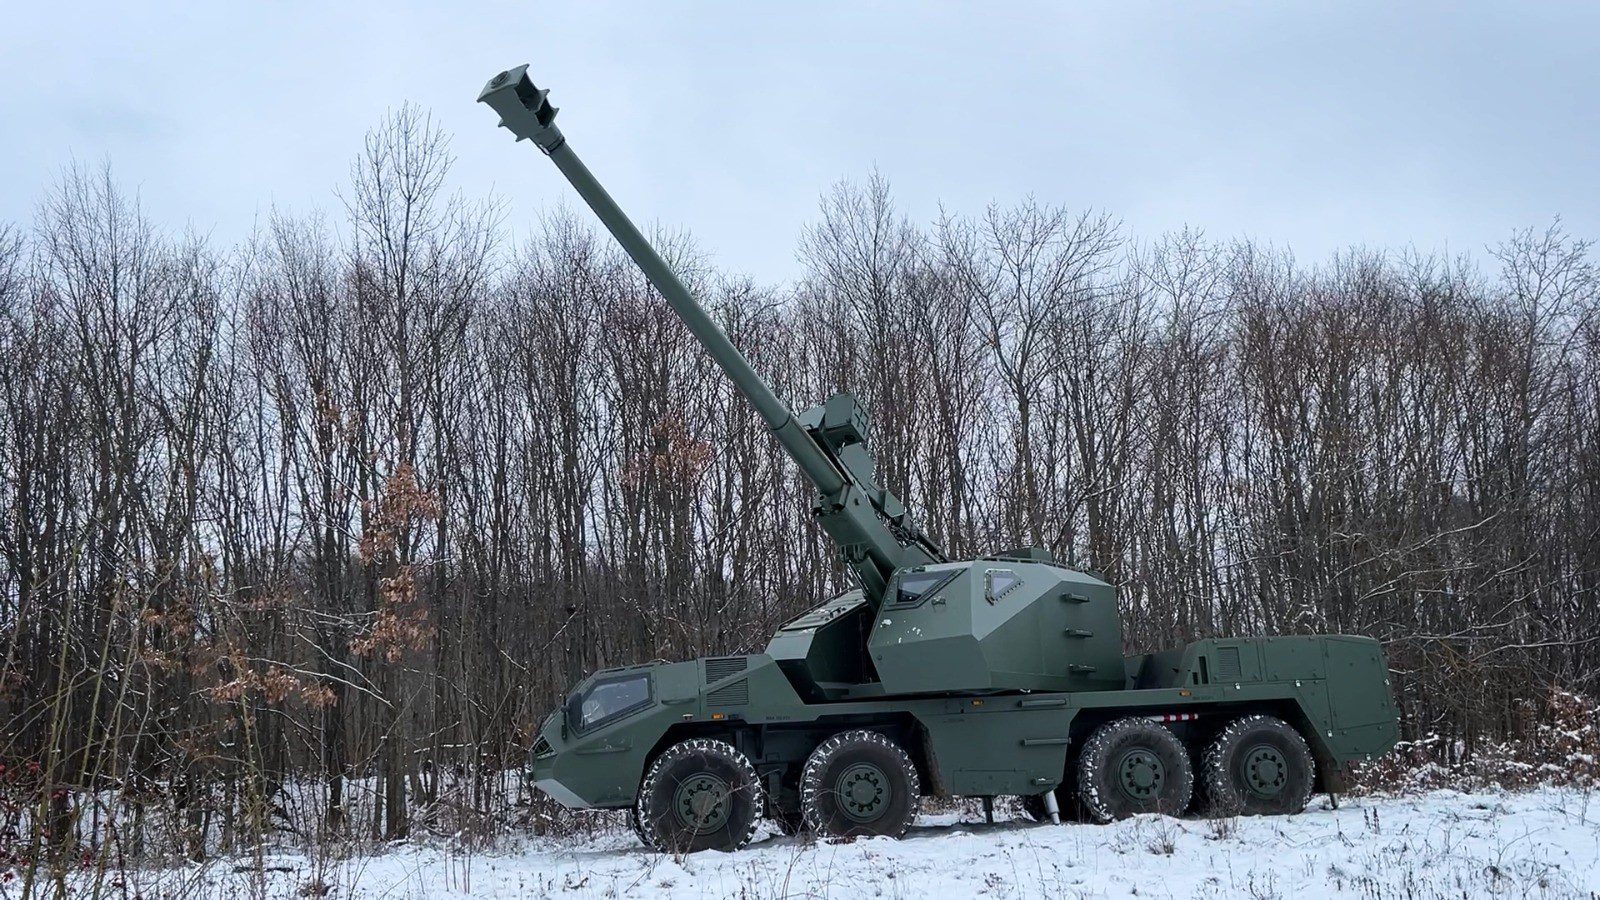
x,y
645,837
1132,766
1257,766
859,783
700,794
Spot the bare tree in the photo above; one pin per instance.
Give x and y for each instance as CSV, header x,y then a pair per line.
x,y
306,537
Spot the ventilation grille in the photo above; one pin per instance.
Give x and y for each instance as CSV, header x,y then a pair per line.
x,y
720,667
1227,664
736,694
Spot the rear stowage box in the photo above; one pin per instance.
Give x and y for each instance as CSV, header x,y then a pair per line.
x,y
1360,701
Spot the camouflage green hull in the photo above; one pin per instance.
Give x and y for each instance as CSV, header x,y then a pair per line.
x,y
1333,689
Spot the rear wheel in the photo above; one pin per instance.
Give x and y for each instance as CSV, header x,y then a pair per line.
x,y
1132,766
1258,766
700,794
859,783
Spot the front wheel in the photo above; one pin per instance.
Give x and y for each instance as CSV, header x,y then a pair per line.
x,y
859,783
645,837
1258,766
1132,766
700,794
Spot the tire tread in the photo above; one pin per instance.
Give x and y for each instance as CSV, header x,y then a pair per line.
x,y
811,778
1092,758
643,817
1219,797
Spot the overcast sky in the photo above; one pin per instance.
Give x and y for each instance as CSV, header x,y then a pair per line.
x,y
1312,126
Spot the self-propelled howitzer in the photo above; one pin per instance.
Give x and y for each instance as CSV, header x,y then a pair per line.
x,y
1002,675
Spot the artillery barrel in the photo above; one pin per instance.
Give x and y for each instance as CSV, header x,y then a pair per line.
x,y
526,111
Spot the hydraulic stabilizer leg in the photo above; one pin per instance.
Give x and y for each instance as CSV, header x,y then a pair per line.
x,y
1053,807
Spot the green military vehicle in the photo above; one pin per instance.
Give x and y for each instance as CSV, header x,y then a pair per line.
x,y
1000,676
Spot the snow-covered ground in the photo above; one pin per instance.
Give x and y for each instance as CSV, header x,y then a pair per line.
x,y
1445,844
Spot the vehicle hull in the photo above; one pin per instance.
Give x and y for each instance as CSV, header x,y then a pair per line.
x,y
1334,689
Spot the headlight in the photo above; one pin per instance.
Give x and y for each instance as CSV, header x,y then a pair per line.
x,y
608,699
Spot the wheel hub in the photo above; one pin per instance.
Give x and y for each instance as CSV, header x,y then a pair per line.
x,y
702,802
1264,770
1140,774
863,792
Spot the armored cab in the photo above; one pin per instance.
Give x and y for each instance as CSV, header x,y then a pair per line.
x,y
1002,675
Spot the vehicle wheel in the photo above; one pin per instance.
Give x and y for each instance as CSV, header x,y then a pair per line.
x,y
859,783
644,836
1258,766
1132,766
700,794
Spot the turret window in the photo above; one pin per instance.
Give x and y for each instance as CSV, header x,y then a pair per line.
x,y
911,588
998,583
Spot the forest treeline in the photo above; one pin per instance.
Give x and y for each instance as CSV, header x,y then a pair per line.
x,y
350,504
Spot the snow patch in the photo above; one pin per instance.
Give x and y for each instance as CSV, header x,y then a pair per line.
x,y
1543,843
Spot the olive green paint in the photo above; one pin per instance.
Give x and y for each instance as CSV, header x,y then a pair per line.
x,y
992,675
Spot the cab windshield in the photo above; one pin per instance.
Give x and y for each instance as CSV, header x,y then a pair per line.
x,y
608,699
